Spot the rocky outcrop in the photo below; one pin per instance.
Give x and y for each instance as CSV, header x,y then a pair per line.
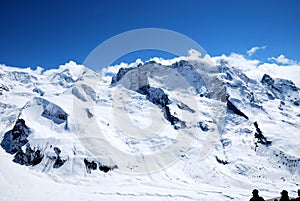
x,y
30,157
203,126
93,165
52,111
224,162
155,95
58,160
260,137
38,91
158,97
120,74
3,88
281,88
16,138
235,110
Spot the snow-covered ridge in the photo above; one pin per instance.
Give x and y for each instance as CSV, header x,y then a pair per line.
x,y
256,148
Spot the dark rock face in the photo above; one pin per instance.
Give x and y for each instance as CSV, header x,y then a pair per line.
x,y
183,106
29,157
279,84
58,160
16,138
155,95
39,91
224,162
267,80
260,137
281,88
203,126
52,112
120,74
3,88
92,165
105,168
235,110
158,97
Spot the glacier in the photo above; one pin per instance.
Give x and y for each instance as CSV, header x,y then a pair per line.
x,y
186,129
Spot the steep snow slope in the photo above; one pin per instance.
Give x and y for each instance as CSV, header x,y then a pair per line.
x,y
193,130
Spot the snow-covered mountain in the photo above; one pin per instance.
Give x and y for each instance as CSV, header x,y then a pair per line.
x,y
190,130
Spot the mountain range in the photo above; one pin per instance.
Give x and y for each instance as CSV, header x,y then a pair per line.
x,y
192,129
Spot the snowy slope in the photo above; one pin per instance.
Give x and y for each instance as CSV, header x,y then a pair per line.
x,y
187,130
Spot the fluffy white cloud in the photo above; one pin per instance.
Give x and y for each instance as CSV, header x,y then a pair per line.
x,y
255,69
254,49
238,61
281,59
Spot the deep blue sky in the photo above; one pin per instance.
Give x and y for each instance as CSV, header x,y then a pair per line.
x,y
48,33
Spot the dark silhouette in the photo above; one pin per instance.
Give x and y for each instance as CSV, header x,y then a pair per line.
x,y
284,196
298,198
256,197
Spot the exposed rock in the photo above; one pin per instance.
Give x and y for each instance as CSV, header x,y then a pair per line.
x,y
280,107
16,138
89,113
63,78
224,162
39,91
78,95
3,88
92,165
235,110
177,123
89,91
29,157
192,76
185,107
52,111
266,79
281,88
203,126
105,168
260,137
158,97
120,74
58,160
155,95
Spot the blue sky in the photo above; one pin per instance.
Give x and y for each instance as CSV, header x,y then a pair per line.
x,y
49,33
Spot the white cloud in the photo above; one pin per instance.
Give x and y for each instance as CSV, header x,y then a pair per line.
x,y
254,49
194,53
281,59
254,69
238,61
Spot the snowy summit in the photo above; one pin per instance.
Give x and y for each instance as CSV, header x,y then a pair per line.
x,y
181,129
